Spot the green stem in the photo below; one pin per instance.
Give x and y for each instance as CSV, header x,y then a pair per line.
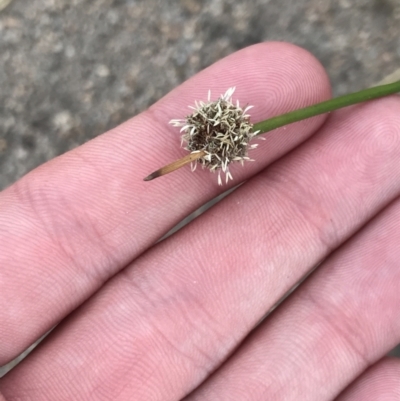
x,y
326,107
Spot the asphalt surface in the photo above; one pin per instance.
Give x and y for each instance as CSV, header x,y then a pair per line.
x,y
72,69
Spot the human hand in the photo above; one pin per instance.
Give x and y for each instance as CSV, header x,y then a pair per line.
x,y
175,311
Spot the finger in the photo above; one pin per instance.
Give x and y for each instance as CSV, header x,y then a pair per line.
x,y
160,327
341,321
74,222
380,382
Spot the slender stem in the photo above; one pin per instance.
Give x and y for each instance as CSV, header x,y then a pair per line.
x,y
326,107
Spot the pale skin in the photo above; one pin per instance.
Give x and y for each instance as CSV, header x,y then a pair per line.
x,y
173,322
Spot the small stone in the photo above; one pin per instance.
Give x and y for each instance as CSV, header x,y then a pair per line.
x,y
63,120
102,71
70,51
4,4
3,145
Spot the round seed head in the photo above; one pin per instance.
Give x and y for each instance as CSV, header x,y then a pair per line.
x,y
221,129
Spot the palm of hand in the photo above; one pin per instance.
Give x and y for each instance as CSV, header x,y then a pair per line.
x,y
162,326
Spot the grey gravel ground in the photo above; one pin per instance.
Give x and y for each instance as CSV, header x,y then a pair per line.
x,y
72,69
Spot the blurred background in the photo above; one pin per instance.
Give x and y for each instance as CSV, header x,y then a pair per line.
x,y
72,69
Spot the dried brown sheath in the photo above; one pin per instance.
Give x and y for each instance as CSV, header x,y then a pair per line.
x,y
175,165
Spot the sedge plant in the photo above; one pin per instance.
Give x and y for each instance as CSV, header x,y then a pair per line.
x,y
218,133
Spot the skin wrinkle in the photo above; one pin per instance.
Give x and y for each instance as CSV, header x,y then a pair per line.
x,y
347,333
157,332
20,190
262,386
296,193
291,219
184,305
117,355
63,246
316,219
98,240
146,374
208,359
160,119
164,339
381,380
36,207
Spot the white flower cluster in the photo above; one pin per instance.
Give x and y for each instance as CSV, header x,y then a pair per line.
x,y
220,129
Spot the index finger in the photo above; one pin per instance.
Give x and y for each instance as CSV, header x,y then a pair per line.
x,y
69,225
